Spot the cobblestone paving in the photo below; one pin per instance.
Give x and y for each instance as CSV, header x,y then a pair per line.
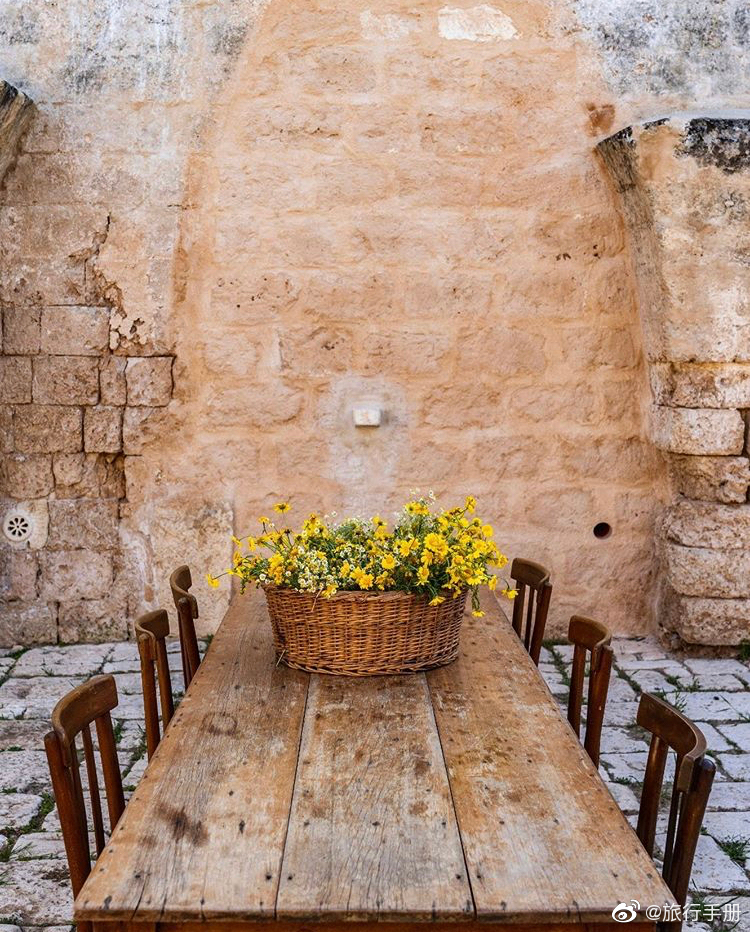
x,y
34,888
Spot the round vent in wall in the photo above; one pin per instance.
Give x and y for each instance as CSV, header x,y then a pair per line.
x,y
18,526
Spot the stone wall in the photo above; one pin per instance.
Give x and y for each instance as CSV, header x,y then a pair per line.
x,y
686,192
278,210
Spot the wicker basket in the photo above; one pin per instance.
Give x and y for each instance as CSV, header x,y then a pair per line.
x,y
363,633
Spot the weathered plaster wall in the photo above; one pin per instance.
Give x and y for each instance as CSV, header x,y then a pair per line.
x,y
295,207
686,189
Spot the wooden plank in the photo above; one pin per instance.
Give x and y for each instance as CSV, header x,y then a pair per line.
x,y
372,831
203,835
543,838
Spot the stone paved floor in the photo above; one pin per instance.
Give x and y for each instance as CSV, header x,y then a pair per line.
x,y
34,887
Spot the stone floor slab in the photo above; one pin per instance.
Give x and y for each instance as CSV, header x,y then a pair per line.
x,y
22,735
18,809
36,893
737,733
723,825
23,771
736,765
33,697
73,660
38,845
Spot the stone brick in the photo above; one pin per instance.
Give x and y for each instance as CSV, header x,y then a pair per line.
x,y
724,385
102,429
26,476
18,574
708,621
89,475
149,381
70,575
697,431
15,379
66,380
701,524
73,330
27,623
139,427
21,330
112,388
701,572
711,478
7,444
47,429
86,524
92,620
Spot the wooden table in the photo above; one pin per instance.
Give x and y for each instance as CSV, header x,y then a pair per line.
x,y
278,798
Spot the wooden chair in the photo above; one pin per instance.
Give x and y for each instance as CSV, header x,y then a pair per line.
x,y
151,630
694,775
91,702
534,591
592,637
187,611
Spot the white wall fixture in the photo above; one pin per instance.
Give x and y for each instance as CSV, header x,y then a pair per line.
x,y
367,416
18,526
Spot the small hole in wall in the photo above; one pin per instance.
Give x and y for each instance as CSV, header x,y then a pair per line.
x,y
602,530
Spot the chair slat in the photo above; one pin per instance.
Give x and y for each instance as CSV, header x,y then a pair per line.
x,y
589,638
151,631
93,781
534,592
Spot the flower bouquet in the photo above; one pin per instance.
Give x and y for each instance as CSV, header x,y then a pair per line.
x,y
359,598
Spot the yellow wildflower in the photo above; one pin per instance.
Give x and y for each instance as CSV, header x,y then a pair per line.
x,y
471,504
388,561
365,581
264,520
478,613
492,583
282,507
437,600
510,593
423,574
487,530
212,581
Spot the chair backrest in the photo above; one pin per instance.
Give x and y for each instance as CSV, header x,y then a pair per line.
x,y
694,775
187,611
594,638
534,591
91,702
151,630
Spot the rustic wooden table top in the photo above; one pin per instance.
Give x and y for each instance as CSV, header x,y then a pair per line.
x,y
457,795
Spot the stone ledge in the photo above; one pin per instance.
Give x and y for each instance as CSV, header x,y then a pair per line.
x,y
708,385
702,524
701,431
708,621
706,573
711,478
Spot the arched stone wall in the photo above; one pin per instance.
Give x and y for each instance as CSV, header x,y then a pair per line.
x,y
163,184
685,187
403,205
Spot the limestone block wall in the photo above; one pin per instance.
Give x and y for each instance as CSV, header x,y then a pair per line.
x,y
685,185
229,223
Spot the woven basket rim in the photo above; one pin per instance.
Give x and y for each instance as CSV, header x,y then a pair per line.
x,y
357,595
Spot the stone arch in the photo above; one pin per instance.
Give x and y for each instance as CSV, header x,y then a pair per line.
x,y
381,208
685,188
